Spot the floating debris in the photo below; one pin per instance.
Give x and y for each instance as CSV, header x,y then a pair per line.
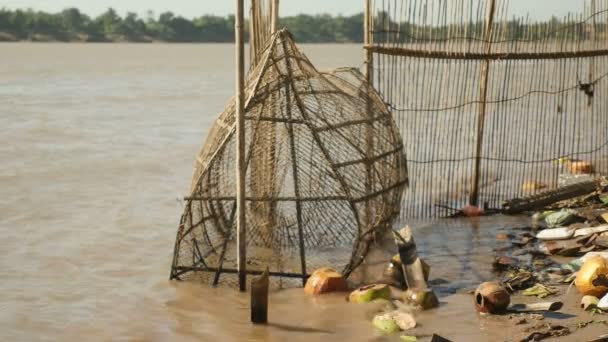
x,y
592,279
491,298
535,307
556,234
390,322
561,218
325,280
367,294
589,302
585,324
504,262
540,291
603,303
545,330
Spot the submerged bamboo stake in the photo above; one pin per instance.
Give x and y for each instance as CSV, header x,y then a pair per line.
x,y
485,69
259,298
240,152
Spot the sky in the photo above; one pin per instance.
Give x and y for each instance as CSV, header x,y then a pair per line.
x,y
538,9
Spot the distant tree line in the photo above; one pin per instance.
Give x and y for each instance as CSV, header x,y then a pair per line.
x,y
73,25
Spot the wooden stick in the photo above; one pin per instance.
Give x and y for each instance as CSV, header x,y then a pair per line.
x,y
296,178
485,69
535,307
259,298
240,152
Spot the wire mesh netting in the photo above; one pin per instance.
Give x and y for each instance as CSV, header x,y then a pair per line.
x,y
491,106
325,172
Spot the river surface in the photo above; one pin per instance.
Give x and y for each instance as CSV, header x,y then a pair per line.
x,y
97,144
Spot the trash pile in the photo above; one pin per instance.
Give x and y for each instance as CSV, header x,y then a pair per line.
x,y
564,247
402,291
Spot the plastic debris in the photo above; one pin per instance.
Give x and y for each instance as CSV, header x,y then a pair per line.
x,y
414,270
603,303
393,272
591,230
563,233
560,218
589,302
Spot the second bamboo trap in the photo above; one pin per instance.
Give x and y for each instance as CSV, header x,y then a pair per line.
x,y
325,173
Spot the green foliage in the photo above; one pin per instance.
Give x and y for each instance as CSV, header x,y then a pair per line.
x,y
71,24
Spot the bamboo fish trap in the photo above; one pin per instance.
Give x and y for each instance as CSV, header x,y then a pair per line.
x,y
325,172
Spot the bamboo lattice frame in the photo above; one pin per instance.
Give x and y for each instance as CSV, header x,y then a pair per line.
x,y
486,101
317,188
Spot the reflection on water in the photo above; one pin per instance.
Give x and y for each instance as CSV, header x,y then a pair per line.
x,y
97,145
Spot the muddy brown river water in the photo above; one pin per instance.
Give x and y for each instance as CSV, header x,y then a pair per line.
x,y
96,147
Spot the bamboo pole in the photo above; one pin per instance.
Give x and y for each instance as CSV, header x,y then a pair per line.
x,y
275,16
369,55
259,298
485,69
593,47
253,25
240,152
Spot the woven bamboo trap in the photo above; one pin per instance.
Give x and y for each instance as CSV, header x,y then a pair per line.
x,y
325,174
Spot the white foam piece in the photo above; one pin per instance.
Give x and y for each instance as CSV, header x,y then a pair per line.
x,y
555,234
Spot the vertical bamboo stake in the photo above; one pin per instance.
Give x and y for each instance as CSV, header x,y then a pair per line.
x,y
593,47
275,16
253,25
240,152
370,115
368,42
485,69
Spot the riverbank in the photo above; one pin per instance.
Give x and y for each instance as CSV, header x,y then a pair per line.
x,y
8,37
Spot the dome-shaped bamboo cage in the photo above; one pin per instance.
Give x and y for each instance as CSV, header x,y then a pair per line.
x,y
325,173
